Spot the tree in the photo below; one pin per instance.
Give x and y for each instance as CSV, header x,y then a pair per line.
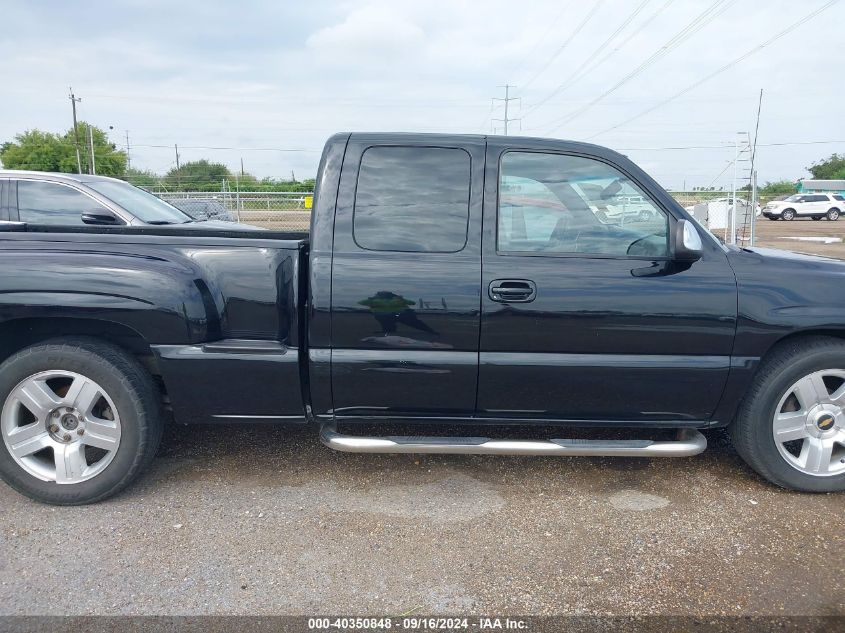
x,y
198,175
45,151
39,151
779,188
108,160
141,177
831,169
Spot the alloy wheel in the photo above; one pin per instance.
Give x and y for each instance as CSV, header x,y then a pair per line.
x,y
809,424
60,426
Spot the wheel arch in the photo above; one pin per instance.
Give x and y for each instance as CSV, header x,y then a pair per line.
x,y
837,333
17,334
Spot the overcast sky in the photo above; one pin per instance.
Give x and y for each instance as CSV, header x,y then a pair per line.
x,y
263,77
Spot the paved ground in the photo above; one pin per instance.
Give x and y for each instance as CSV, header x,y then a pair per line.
x,y
778,234
266,520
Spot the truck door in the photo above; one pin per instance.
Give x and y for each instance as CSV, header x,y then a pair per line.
x,y
584,314
406,275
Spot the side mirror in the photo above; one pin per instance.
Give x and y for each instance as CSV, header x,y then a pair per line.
x,y
100,217
688,246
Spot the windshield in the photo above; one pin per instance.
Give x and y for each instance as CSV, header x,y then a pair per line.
x,y
143,205
795,198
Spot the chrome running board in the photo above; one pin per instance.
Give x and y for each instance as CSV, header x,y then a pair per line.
x,y
689,442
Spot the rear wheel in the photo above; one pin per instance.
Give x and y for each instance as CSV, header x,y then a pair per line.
x,y
833,214
80,420
788,214
790,427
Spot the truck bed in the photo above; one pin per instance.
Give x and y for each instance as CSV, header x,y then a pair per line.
x,y
216,314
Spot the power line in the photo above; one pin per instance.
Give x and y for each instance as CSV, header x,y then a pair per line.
x,y
719,71
552,24
630,36
245,149
563,46
579,72
699,22
723,146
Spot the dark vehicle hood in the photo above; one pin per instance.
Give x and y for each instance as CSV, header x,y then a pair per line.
x,y
794,259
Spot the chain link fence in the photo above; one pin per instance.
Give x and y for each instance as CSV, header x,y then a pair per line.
x,y
291,211
280,211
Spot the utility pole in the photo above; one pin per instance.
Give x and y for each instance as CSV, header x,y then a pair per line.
x,y
506,101
74,100
178,175
92,166
128,161
242,165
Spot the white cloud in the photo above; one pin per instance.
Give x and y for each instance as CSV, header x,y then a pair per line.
x,y
287,75
367,32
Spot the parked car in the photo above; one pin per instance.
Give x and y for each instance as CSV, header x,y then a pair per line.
x,y
203,208
55,199
449,280
806,205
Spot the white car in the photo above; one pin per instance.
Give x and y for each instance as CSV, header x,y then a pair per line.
x,y
806,205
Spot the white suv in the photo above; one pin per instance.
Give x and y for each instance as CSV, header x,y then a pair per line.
x,y
810,205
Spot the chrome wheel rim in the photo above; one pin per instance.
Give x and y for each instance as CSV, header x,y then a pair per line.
x,y
60,426
809,424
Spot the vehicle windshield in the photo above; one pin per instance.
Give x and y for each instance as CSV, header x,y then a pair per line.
x,y
795,198
143,205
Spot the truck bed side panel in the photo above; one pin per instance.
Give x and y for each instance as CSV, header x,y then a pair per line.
x,y
181,295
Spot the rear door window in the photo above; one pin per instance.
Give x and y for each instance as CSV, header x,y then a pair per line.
x,y
412,199
50,203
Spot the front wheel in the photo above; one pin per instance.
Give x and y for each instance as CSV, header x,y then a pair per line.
x,y
833,214
788,214
790,427
80,420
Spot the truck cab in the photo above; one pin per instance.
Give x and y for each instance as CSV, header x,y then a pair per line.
x,y
490,273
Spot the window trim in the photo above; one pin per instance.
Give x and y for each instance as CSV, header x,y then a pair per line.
x,y
411,146
649,258
120,215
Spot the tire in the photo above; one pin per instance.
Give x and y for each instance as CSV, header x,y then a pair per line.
x,y
833,214
79,410
788,214
797,362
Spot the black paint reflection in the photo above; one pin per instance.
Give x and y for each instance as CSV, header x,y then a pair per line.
x,y
390,309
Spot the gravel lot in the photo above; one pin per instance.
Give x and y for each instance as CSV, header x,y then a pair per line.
x,y
778,234
265,520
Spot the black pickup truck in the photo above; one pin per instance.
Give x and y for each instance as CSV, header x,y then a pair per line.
x,y
448,280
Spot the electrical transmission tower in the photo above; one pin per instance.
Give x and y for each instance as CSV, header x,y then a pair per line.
x,y
506,101
747,221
